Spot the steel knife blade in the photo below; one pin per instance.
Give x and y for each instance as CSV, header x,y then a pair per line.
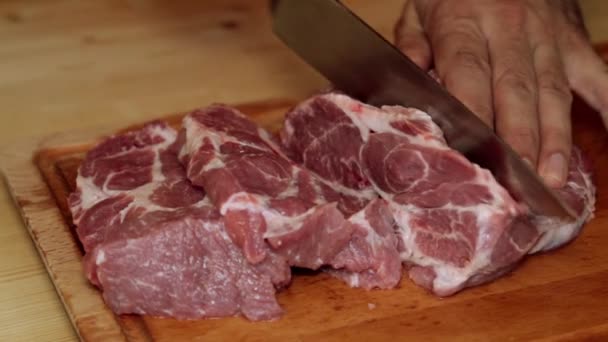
x,y
360,62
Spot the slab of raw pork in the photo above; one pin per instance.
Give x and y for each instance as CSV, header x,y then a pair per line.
x,y
271,204
579,194
371,258
458,227
154,243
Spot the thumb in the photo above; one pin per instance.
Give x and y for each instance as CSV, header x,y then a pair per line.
x,y
410,37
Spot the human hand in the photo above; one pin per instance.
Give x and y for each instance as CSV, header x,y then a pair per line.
x,y
512,63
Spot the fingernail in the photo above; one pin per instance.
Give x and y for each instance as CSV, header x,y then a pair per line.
x,y
554,170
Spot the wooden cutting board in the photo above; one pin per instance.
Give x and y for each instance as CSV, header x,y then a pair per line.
x,y
561,295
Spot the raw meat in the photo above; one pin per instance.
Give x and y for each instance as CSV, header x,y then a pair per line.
x,y
271,204
366,189
262,196
154,243
457,226
579,193
371,259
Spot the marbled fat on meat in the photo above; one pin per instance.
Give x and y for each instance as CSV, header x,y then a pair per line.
x,y
154,243
579,194
271,204
262,196
457,226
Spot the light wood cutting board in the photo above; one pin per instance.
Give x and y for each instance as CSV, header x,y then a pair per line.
x,y
561,295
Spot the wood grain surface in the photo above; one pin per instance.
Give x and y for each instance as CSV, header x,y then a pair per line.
x,y
66,65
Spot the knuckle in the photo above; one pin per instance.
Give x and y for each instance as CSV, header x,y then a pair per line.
x,y
517,130
552,83
472,61
525,134
523,139
518,82
460,29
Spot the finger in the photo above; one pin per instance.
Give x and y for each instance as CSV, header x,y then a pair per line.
x,y
410,37
587,75
461,61
554,104
514,83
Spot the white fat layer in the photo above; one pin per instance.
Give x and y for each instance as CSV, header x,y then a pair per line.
x,y
265,135
92,194
370,119
288,127
276,223
353,279
560,232
360,219
192,145
365,194
101,257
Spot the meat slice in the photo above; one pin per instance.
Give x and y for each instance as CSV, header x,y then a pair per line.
x,y
261,194
458,227
579,193
154,243
269,203
371,259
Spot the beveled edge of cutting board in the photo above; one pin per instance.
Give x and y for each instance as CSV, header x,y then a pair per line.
x,y
23,165
52,239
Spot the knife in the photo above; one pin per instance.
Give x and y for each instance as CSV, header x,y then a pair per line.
x,y
360,62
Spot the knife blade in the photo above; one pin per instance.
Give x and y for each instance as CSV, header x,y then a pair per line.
x,y
360,62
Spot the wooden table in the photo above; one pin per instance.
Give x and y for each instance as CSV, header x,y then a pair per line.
x,y
69,64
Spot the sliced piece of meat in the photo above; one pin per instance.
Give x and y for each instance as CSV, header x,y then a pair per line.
x,y
154,243
371,259
269,203
458,227
579,193
263,196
